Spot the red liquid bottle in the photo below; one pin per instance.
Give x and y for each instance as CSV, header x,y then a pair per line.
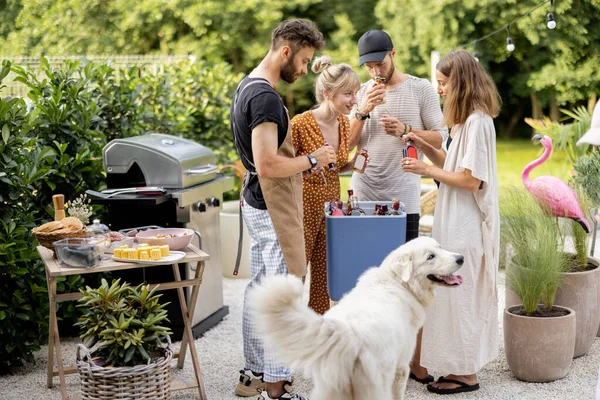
x,y
410,151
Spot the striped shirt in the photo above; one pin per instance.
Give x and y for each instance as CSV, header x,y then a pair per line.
x,y
414,103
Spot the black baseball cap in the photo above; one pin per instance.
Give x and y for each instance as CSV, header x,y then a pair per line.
x,y
373,46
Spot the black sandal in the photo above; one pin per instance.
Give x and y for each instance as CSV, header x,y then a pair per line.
x,y
424,381
462,387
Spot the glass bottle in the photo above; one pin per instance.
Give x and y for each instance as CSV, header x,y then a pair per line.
x,y
349,202
360,162
384,210
356,210
377,209
410,151
336,208
395,207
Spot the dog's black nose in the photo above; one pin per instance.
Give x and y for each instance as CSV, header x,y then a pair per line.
x,y
460,259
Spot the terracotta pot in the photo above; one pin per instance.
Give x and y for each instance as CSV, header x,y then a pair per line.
x,y
580,292
539,349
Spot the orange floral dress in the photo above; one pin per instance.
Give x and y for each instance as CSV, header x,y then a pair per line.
x,y
318,189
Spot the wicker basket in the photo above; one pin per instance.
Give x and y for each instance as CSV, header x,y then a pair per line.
x,y
141,382
47,238
427,207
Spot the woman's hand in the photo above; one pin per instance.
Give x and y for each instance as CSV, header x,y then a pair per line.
x,y
415,140
415,166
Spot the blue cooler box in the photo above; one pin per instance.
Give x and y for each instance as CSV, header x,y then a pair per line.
x,y
356,243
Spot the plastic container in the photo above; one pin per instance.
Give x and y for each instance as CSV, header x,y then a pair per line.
x,y
80,252
356,243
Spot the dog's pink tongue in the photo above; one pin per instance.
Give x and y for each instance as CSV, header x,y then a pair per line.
x,y
452,279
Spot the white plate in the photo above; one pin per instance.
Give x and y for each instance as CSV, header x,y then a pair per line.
x,y
170,259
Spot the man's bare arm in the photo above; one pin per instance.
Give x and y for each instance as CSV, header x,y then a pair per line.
x,y
271,165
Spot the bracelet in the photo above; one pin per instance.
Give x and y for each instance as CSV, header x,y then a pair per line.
x,y
405,132
409,129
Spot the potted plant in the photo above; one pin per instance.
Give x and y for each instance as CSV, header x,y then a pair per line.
x,y
587,178
126,350
539,339
579,289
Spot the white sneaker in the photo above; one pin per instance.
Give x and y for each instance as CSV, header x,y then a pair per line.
x,y
285,396
250,384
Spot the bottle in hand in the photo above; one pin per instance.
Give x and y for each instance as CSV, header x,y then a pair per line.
x,y
360,162
410,151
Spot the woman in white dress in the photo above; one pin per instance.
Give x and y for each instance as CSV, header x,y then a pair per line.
x,y
460,334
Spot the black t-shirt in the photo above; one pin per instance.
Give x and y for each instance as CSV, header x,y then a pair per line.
x,y
255,102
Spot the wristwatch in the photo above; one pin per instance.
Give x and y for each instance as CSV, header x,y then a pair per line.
x,y
313,161
361,117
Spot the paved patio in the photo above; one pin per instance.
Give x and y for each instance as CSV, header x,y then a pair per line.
x,y
220,352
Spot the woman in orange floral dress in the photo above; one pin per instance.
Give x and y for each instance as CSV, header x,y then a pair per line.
x,y
328,122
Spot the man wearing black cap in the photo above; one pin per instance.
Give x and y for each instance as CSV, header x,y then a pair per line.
x,y
389,106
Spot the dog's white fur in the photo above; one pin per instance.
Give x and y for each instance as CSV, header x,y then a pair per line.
x,y
361,348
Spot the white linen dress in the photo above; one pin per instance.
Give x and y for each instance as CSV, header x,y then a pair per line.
x,y
460,334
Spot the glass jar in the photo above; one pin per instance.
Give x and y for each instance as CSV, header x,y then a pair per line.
x,y
98,231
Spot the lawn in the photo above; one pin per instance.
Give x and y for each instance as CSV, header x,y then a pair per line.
x,y
512,156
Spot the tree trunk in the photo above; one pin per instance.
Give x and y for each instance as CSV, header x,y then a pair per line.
x,y
514,120
536,108
554,112
592,103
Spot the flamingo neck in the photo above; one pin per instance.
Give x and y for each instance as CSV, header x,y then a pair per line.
x,y
529,167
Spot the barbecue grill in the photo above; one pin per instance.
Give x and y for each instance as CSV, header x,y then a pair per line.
x,y
187,192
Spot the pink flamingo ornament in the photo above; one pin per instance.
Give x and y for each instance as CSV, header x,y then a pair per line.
x,y
552,191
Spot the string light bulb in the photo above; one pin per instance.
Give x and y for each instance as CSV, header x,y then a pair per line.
x,y
551,24
475,51
509,43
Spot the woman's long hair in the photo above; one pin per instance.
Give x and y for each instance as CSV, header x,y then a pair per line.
x,y
470,88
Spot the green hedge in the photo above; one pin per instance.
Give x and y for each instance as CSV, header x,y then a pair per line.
x,y
52,142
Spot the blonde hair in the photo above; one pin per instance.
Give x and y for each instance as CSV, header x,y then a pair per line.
x,y
470,88
333,77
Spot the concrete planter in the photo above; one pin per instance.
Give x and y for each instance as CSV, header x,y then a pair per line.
x,y
579,291
539,349
230,228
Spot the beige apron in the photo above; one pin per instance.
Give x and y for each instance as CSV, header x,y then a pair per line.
x,y
284,202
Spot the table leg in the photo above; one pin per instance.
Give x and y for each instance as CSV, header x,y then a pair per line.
x,y
51,318
187,320
54,340
192,307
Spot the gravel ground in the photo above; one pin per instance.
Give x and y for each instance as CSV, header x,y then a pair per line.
x,y
220,353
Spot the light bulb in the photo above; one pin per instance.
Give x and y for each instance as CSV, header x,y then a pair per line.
x,y
509,44
551,22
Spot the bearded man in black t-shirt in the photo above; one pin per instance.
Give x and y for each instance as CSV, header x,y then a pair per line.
x,y
272,192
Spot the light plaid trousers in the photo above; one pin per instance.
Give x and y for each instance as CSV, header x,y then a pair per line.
x,y
266,258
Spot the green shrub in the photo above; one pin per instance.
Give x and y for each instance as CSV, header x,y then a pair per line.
x,y
53,144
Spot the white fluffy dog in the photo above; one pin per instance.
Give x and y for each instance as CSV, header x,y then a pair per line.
x,y
361,348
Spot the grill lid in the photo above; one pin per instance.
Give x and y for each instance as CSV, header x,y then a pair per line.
x,y
164,160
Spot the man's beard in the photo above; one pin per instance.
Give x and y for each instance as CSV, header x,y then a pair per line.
x,y
288,72
389,76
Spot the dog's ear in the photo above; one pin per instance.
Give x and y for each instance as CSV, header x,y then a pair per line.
x,y
403,267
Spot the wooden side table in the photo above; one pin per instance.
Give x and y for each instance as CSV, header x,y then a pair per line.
x,y
54,270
